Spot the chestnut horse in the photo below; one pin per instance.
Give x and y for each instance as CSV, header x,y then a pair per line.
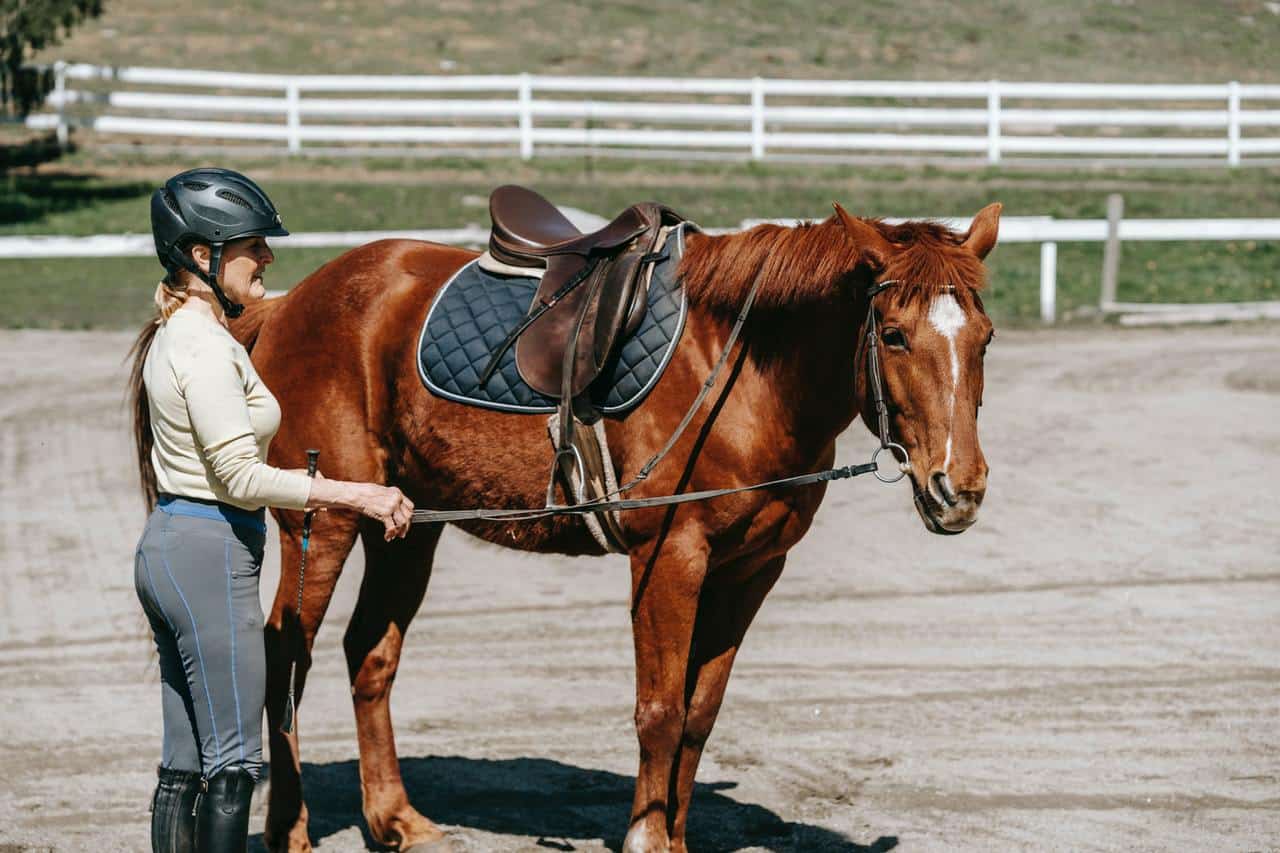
x,y
339,352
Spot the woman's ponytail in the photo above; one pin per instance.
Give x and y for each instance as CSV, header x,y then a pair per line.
x,y
168,299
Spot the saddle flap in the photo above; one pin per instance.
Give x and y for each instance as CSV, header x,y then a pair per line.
x,y
540,349
604,301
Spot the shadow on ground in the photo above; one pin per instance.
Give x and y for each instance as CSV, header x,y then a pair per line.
x,y
30,198
559,804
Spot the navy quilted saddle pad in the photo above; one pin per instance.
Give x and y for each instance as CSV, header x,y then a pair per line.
x,y
476,310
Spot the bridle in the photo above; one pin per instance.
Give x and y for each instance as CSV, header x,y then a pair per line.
x,y
882,409
611,501
877,388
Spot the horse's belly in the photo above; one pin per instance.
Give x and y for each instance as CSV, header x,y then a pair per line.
x,y
562,535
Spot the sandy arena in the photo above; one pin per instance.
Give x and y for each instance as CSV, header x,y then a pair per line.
x,y
1093,667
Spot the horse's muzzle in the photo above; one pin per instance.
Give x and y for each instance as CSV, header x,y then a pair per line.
x,y
943,510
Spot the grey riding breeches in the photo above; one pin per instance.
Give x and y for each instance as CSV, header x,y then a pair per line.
x,y
196,573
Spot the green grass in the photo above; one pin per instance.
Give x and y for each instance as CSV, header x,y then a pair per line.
x,y
114,293
82,198
107,293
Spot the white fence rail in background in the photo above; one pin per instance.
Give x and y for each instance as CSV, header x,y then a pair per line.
x,y
1046,231
757,118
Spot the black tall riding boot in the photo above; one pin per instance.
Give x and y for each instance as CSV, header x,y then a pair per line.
x,y
173,822
222,815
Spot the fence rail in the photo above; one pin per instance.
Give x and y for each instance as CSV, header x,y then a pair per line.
x,y
737,117
1045,230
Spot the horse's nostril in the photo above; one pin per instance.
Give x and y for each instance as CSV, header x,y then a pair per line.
x,y
944,488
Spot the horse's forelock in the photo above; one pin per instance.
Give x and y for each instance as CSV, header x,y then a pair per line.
x,y
930,261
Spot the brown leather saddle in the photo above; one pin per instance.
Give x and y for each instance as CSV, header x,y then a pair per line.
x,y
592,294
592,297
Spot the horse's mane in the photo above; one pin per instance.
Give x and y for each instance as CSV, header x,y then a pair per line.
x,y
803,263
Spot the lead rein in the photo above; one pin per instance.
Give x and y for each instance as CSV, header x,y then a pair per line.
x,y
433,516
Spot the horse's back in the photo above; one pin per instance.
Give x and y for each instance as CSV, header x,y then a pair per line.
x,y
362,299
326,347
375,276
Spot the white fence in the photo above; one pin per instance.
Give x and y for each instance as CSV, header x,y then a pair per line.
x,y
1046,231
757,118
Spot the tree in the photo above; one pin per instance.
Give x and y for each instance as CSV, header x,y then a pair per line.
x,y
27,26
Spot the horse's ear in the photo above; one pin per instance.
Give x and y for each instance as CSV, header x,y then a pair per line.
x,y
982,235
875,248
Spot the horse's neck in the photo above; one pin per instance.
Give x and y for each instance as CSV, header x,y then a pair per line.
x,y
812,373
804,356
801,336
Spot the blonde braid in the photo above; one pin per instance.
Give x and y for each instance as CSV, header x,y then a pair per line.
x,y
169,298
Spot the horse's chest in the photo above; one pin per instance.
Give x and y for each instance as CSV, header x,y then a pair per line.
x,y
771,529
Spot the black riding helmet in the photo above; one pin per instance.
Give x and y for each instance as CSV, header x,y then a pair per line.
x,y
213,206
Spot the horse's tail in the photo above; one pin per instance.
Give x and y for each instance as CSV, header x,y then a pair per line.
x,y
248,325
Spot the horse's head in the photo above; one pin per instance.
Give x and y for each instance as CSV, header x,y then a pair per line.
x,y
932,335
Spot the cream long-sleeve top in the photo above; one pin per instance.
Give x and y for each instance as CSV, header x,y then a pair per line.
x,y
213,419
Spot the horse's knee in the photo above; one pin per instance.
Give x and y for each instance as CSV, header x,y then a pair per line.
x,y
374,671
658,721
698,724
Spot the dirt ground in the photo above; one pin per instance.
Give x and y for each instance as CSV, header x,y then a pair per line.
x,y
1092,667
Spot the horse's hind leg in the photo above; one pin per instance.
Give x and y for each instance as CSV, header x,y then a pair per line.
x,y
289,638
395,580
724,614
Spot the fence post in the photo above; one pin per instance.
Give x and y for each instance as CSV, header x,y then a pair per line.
x,y
993,121
294,117
1233,123
757,118
1111,252
1048,282
526,116
60,93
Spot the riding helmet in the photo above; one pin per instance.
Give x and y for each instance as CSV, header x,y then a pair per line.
x,y
214,206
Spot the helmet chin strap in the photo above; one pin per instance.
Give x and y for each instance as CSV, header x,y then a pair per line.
x,y
231,309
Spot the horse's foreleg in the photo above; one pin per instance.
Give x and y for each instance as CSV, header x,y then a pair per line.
x,y
289,636
395,581
724,614
665,592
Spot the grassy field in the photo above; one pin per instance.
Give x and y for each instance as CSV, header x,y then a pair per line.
x,y
1094,40
327,196
97,191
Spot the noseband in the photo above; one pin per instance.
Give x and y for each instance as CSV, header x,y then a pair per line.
x,y
877,389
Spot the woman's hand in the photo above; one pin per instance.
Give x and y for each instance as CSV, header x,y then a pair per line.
x,y
384,503
388,505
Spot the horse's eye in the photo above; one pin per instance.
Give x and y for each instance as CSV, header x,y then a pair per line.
x,y
894,338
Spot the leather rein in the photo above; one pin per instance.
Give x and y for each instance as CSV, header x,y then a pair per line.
x,y
611,502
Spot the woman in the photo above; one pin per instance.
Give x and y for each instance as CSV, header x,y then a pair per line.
x,y
202,422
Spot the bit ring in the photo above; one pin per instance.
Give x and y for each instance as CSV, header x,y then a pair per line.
x,y
903,467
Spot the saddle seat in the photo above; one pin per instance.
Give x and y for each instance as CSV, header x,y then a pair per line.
x,y
593,289
528,229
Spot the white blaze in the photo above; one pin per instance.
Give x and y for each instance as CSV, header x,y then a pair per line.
x,y
947,318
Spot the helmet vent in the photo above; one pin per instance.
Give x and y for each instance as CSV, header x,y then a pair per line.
x,y
195,185
172,203
234,199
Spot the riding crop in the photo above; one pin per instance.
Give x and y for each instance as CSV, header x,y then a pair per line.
x,y
290,707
